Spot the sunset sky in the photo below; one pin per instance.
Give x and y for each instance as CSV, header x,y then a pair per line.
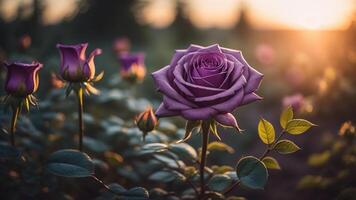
x,y
263,14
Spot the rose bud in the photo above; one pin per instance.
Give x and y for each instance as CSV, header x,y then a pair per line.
x,y
206,83
22,79
75,66
132,67
25,42
56,82
121,45
297,101
146,121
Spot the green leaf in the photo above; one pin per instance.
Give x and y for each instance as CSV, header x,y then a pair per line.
x,y
266,131
286,147
220,146
94,144
219,182
70,163
271,163
184,151
189,127
166,176
252,172
153,148
286,116
298,126
319,159
7,151
136,192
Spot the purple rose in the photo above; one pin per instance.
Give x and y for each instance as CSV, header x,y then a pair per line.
x,y
132,66
204,83
22,79
75,67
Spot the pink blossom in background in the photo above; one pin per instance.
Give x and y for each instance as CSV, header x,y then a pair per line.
x,y
297,101
121,45
265,54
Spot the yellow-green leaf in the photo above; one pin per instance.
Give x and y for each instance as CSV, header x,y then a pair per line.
x,y
286,116
286,147
271,163
219,146
298,126
266,131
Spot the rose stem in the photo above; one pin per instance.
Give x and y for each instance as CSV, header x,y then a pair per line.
x,y
205,140
15,114
80,118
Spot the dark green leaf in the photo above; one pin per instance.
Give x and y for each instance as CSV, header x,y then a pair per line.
x,y
70,163
166,176
7,151
184,151
94,145
219,182
252,172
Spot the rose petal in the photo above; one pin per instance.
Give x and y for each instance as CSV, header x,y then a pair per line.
x,y
230,104
164,112
212,48
89,66
252,76
232,90
199,113
172,104
254,81
227,119
249,98
162,83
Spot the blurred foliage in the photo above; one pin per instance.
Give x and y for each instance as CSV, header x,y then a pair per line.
x,y
335,166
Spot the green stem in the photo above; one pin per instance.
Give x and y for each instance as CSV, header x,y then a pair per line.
x,y
270,148
80,118
205,141
15,115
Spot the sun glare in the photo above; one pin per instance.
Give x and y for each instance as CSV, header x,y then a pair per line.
x,y
301,14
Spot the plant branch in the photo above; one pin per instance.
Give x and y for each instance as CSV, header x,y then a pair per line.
x,y
232,186
15,115
120,194
80,117
205,141
270,148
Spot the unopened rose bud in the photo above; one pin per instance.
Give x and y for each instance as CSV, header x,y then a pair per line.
x,y
25,42
22,79
146,121
75,66
56,82
121,45
132,67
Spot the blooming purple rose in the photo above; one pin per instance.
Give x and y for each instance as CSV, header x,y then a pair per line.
x,y
22,79
204,83
132,66
75,66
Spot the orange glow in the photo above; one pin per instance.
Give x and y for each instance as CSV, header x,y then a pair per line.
x,y
157,13
302,14
213,13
